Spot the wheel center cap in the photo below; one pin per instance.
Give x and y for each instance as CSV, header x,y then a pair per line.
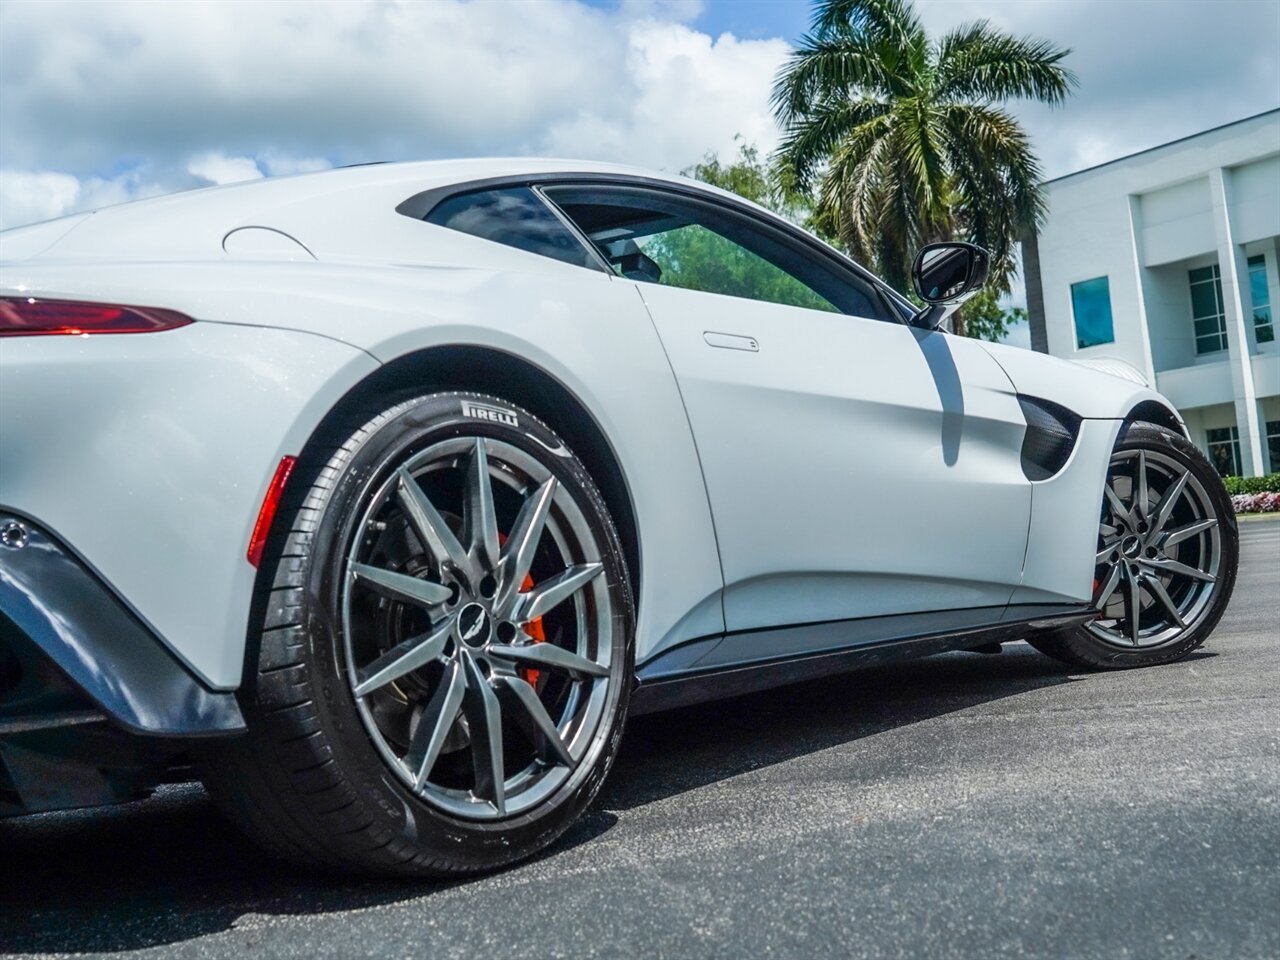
x,y
1131,546
474,625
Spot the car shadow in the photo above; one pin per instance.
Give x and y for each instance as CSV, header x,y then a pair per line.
x,y
170,869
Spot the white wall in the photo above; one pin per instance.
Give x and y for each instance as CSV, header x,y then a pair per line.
x,y
1089,234
1255,200
1177,222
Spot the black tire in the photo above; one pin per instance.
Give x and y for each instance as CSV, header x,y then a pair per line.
x,y
1081,647
308,781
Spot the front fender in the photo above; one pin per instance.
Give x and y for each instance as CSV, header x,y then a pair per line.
x,y
1089,392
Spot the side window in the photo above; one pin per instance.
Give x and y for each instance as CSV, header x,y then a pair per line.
x,y
655,237
514,216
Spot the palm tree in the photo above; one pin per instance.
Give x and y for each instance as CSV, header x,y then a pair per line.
x,y
903,137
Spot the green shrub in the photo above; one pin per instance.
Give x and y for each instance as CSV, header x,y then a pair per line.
x,y
1268,484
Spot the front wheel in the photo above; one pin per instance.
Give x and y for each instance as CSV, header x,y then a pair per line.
x,y
446,648
1167,553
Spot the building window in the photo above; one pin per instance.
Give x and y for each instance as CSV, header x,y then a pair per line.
x,y
1273,444
1224,450
1207,314
1263,329
1091,304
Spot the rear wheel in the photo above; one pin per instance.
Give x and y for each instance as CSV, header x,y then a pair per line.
x,y
1166,560
445,650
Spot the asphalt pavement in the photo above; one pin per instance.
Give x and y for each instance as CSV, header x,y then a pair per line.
x,y
963,806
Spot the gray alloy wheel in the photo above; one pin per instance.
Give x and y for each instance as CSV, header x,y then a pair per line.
x,y
1159,551
1167,554
444,642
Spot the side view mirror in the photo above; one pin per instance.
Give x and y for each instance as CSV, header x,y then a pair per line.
x,y
945,275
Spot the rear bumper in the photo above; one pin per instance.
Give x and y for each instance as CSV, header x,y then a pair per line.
x,y
56,612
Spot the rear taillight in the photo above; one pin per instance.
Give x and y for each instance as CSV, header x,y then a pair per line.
x,y
32,317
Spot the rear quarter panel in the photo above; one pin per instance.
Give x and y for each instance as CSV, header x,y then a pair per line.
x,y
139,433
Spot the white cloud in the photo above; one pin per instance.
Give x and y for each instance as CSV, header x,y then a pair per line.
x,y
129,98
693,94
1149,72
29,196
279,165
219,169
210,92
1018,335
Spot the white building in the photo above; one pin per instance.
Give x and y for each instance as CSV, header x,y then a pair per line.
x,y
1167,259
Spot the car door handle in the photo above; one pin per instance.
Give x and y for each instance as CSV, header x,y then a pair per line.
x,y
731,341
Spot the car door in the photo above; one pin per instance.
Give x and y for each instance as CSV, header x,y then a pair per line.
x,y
856,466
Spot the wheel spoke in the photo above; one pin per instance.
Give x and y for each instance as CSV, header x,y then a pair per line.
x,y
1118,509
430,526
1171,495
404,657
551,593
549,655
435,723
1167,565
400,586
535,720
1133,606
1190,530
523,543
1108,587
1139,508
1157,590
481,522
484,716
1107,530
1104,554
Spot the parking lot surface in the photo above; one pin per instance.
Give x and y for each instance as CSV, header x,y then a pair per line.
x,y
963,806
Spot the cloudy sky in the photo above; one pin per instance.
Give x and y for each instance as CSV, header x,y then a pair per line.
x,y
108,100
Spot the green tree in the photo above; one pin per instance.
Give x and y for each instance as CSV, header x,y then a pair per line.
x,y
750,176
902,137
696,258
983,316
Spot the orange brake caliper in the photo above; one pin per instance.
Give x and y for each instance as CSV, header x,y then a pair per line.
x,y
534,629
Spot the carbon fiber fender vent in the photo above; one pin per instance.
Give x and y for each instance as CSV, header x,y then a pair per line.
x,y
1051,435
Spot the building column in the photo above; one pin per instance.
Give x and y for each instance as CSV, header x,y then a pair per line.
x,y
1234,271
1138,258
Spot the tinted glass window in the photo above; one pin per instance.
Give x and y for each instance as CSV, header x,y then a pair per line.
x,y
1224,450
656,237
1207,313
514,216
1264,330
1091,304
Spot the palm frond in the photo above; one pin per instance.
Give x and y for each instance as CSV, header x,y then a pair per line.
x,y
894,21
850,192
809,144
977,61
997,178
922,148
821,68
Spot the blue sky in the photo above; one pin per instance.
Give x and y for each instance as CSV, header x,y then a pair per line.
x,y
748,19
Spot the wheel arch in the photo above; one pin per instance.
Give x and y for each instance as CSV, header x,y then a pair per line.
x,y
1153,411
505,375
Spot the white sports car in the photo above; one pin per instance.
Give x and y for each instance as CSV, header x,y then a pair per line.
x,y
383,495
